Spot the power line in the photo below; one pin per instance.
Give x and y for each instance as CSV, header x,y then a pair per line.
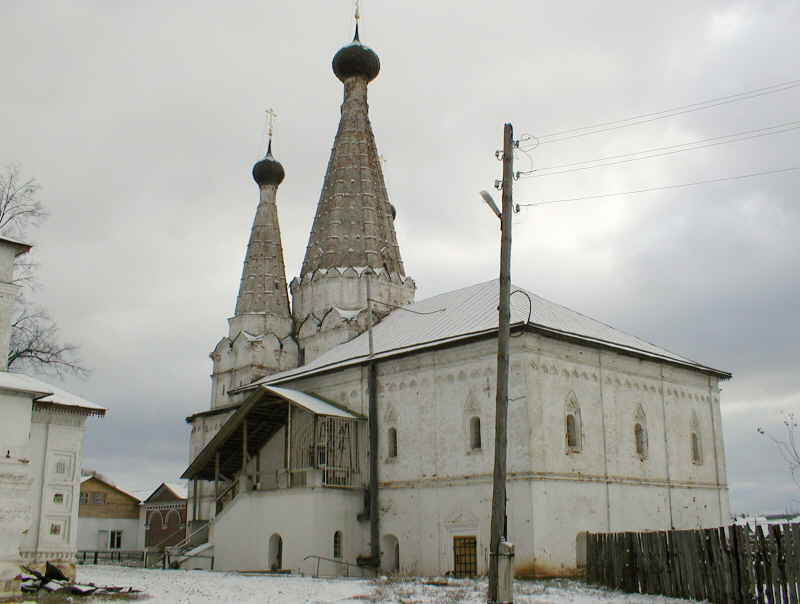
x,y
643,118
661,188
624,158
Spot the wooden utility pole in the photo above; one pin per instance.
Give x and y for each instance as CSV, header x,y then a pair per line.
x,y
503,339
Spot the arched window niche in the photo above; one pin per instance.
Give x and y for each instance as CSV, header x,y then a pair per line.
x,y
275,552
573,434
390,556
696,442
337,545
391,443
475,443
640,433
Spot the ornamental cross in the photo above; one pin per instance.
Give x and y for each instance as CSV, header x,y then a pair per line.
x,y
358,11
271,115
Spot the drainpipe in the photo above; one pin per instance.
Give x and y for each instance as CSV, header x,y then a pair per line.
x,y
372,389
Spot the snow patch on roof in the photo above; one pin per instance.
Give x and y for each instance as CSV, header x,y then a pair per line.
x,y
180,489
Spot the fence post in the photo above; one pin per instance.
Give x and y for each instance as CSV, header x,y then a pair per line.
x,y
765,578
780,560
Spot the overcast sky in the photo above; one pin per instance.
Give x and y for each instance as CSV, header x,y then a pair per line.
x,y
141,120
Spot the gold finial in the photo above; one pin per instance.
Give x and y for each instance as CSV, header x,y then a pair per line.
x,y
271,115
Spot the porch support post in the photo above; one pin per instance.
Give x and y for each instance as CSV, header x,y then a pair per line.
x,y
216,476
195,500
244,477
288,441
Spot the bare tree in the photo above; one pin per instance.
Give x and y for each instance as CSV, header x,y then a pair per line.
x,y
35,345
35,342
789,446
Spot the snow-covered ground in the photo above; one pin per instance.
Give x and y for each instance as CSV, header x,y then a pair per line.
x,y
200,587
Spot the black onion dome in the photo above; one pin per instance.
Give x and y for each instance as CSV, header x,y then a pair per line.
x,y
269,170
356,59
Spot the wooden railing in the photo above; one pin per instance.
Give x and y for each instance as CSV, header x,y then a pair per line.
x,y
727,564
227,496
347,565
113,556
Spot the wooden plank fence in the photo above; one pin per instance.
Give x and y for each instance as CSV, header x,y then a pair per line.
x,y
726,564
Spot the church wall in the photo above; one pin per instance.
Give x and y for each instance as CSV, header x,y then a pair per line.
x,y
560,509
437,485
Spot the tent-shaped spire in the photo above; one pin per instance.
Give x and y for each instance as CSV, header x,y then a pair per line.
x,y
263,284
353,226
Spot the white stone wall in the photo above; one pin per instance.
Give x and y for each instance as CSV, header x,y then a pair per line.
x,y
93,533
305,518
16,482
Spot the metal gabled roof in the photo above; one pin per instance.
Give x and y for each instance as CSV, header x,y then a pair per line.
x,y
471,312
44,393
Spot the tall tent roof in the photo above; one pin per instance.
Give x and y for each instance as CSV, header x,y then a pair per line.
x,y
354,224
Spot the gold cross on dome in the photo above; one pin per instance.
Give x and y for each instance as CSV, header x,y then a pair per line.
x,y
271,115
358,10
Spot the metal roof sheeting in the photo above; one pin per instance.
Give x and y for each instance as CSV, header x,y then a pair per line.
x,y
46,393
469,312
311,403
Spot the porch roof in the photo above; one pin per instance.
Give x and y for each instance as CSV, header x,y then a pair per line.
x,y
264,412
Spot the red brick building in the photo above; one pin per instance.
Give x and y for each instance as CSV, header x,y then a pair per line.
x,y
165,516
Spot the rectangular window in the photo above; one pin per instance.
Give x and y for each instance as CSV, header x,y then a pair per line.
x,y
61,467
114,539
55,529
98,498
58,498
84,497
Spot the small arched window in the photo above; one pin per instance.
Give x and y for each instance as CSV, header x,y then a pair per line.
x,y
392,443
640,433
697,446
572,432
337,545
697,458
475,433
573,424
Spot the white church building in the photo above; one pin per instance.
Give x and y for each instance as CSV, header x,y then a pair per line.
x,y
357,424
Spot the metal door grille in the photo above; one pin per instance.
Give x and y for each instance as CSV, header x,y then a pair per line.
x,y
465,556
